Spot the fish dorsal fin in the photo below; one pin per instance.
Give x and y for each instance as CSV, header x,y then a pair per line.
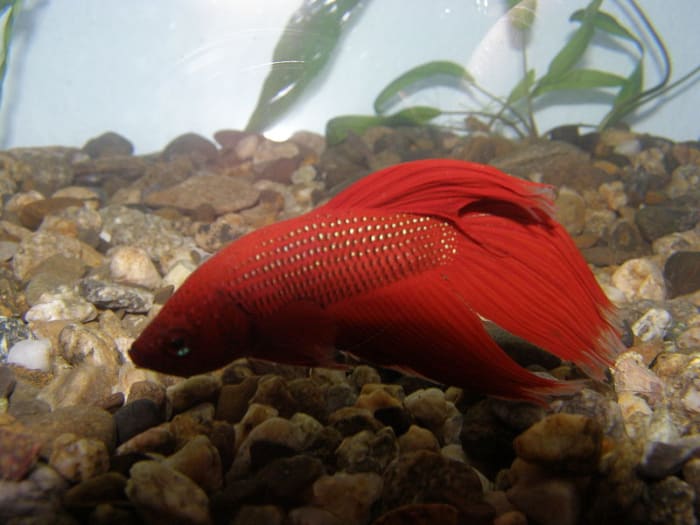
x,y
444,188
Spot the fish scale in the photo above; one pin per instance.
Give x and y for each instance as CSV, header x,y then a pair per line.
x,y
329,259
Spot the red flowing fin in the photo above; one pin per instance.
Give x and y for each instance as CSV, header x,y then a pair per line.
x,y
437,334
299,333
530,279
514,264
442,188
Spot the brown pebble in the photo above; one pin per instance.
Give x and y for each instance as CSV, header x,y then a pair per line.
x,y
33,213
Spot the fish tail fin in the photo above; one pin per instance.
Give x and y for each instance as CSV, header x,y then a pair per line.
x,y
515,265
528,277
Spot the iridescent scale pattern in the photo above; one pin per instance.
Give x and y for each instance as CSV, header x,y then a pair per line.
x,y
327,259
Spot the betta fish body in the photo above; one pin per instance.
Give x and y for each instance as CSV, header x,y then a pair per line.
x,y
400,269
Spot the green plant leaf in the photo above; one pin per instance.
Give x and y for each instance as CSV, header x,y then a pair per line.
x,y
632,86
582,79
301,54
574,48
624,101
522,88
338,128
8,13
609,24
430,74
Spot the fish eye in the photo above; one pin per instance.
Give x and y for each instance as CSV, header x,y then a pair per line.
x,y
178,347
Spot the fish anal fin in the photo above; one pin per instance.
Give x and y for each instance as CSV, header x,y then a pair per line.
x,y
435,333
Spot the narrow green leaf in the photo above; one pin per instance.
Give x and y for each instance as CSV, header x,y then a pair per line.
x,y
338,128
413,116
624,101
607,23
632,86
522,88
8,13
573,50
430,74
581,79
302,52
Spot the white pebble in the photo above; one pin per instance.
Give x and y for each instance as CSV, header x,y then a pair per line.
x,y
131,265
178,273
640,279
34,354
652,325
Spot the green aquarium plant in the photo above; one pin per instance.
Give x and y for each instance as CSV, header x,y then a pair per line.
x,y
303,51
565,73
8,14
514,110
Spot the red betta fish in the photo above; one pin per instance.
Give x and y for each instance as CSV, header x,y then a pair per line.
x,y
400,269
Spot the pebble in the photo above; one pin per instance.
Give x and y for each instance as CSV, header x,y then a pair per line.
x,y
664,459
425,476
137,416
19,452
682,273
367,451
313,515
234,400
85,344
105,294
224,194
348,497
151,481
108,144
691,475
420,514
211,237
652,325
288,480
614,194
39,247
132,266
571,210
193,391
671,500
32,214
632,375
31,353
84,421
548,502
273,391
38,496
562,442
418,438
351,420
275,434
640,279
158,439
656,221
7,381
199,460
258,514
191,145
154,234
428,407
78,459
65,306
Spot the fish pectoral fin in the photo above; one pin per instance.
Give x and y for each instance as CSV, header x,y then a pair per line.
x,y
299,333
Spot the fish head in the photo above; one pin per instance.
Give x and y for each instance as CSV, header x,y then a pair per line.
x,y
195,332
